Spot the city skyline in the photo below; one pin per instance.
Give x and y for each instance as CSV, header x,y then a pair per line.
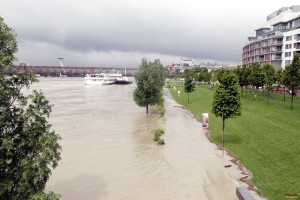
x,y
121,33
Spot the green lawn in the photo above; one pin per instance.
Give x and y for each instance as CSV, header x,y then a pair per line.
x,y
266,137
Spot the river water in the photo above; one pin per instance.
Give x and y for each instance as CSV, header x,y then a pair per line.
x,y
109,152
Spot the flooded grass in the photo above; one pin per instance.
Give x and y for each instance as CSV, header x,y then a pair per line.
x,y
266,137
157,134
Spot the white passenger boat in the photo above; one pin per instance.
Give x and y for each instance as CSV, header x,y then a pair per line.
x,y
120,79
99,79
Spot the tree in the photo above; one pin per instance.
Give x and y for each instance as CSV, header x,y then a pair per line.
x,y
213,77
279,80
178,73
28,148
269,71
201,74
227,100
243,76
150,80
291,76
189,85
257,77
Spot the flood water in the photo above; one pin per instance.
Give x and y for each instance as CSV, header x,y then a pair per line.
x,y
109,152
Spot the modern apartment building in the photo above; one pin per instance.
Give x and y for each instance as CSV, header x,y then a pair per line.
x,y
277,40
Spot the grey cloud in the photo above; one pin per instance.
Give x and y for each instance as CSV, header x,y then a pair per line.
x,y
173,28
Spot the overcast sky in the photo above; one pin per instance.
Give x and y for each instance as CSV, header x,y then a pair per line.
x,y
119,33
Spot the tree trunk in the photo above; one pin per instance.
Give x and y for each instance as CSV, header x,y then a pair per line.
x,y
223,128
147,109
242,89
255,95
292,101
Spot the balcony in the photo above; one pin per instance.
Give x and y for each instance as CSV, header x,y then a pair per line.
x,y
279,50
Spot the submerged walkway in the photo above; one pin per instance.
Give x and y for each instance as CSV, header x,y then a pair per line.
x,y
205,173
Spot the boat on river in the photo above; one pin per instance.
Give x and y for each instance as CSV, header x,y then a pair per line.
x,y
120,79
107,79
99,79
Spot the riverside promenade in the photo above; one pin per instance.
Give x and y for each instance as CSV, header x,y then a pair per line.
x,y
205,172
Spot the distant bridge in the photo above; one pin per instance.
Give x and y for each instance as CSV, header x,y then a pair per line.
x,y
71,71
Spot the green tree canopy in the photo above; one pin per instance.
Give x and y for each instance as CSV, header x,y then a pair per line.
x,y
291,76
201,74
243,76
178,73
279,80
213,76
28,148
256,76
150,80
189,85
270,77
279,76
227,100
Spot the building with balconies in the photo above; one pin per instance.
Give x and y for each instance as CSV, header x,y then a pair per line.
x,y
277,40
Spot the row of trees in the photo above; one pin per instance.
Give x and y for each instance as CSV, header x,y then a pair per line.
x,y
254,75
227,99
199,74
267,76
28,148
150,79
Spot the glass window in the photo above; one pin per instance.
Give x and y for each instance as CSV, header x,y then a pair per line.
x,y
287,54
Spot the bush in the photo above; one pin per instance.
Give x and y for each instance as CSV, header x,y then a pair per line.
x,y
161,142
157,134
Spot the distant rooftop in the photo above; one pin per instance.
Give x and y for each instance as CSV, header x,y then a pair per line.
x,y
295,8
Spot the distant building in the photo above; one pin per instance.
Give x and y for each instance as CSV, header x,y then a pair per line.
x,y
23,63
277,40
186,62
172,68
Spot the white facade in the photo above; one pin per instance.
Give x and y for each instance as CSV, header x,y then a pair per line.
x,y
186,62
291,46
277,40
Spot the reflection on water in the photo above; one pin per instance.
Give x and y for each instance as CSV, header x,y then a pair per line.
x,y
109,152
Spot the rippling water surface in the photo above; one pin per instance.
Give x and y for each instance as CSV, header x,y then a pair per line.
x,y
109,152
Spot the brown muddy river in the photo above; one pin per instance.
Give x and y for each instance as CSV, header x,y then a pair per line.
x,y
109,152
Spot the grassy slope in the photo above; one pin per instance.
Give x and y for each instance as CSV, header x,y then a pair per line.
x,y
266,137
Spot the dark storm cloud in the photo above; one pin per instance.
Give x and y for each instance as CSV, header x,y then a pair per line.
x,y
175,28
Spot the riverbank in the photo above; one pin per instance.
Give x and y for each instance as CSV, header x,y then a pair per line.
x,y
264,137
226,164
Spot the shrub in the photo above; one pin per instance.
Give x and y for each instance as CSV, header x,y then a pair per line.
x,y
157,134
